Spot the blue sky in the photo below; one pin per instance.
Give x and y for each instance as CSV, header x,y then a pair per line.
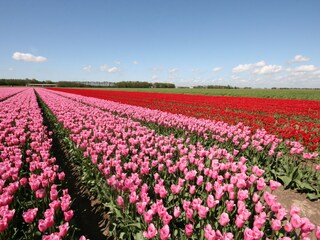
x,y
240,43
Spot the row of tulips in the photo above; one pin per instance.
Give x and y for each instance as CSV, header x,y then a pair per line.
x,y
271,153
33,203
240,135
289,119
165,187
7,92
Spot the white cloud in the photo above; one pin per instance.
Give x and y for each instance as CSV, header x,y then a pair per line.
x,y
105,68
117,62
173,74
173,70
27,57
135,62
217,69
304,68
235,77
154,78
241,68
87,68
259,64
113,70
299,79
247,67
268,69
10,69
300,58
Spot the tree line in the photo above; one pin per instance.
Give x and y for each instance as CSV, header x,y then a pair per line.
x,y
22,82
122,84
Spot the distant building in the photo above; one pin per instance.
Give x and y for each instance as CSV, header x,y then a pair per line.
x,y
41,85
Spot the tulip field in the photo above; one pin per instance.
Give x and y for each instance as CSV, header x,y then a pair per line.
x,y
160,166
33,202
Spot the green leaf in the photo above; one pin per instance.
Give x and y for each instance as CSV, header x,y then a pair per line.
x,y
295,174
139,236
121,235
305,186
313,196
286,181
138,225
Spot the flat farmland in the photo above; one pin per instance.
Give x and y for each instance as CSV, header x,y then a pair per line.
x,y
94,164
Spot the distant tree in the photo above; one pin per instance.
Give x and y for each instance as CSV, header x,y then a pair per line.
x,y
163,85
132,84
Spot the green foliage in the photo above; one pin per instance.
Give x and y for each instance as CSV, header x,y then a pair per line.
x,y
163,85
21,82
130,84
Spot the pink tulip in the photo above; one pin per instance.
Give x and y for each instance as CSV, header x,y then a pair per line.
x,y
318,232
120,201
3,225
274,185
61,176
255,197
63,229
148,216
209,233
40,193
211,203
200,180
53,194
133,197
261,184
55,204
43,225
251,234
189,214
243,195
276,225
202,211
296,221
288,227
164,232
23,181
282,212
189,229
175,189
176,212
224,219
192,190
166,219
29,215
240,221
294,210
151,232
68,215
259,222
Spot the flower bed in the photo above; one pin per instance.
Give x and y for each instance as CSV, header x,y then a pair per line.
x,y
289,119
33,203
161,186
284,161
7,92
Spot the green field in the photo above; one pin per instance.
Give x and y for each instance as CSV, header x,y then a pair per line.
x,y
259,93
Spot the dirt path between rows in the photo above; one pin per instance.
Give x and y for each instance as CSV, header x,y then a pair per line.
x,y
309,209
